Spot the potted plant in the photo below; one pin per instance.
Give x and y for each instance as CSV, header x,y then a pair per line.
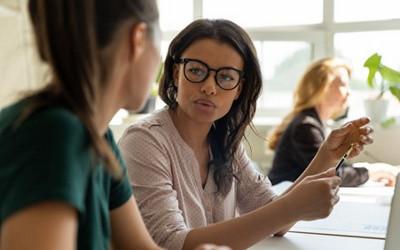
x,y
389,80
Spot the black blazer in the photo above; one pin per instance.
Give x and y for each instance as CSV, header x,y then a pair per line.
x,y
297,147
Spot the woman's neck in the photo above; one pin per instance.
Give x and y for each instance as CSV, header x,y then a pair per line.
x,y
192,132
109,102
106,111
324,113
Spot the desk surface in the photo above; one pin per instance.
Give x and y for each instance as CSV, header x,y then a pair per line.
x,y
358,207
303,241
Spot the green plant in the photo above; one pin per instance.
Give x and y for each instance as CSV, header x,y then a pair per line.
x,y
389,78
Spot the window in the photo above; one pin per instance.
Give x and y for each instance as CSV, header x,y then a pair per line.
x,y
346,10
175,14
256,13
356,47
282,64
287,39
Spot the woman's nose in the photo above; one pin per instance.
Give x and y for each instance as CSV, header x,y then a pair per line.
x,y
209,86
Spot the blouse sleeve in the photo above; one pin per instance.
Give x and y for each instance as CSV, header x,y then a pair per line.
x,y
149,169
253,189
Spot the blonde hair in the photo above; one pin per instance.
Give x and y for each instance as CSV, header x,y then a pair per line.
x,y
308,93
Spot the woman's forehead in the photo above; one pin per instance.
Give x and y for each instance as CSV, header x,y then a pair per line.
x,y
214,52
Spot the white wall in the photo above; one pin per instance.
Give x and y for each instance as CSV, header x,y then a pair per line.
x,y
20,69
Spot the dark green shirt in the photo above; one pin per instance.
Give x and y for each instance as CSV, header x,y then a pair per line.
x,y
48,158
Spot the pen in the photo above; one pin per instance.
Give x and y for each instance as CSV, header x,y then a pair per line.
x,y
344,157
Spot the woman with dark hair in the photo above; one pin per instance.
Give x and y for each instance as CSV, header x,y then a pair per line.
x,y
190,173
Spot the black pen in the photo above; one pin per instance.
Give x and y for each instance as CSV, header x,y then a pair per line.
x,y
344,157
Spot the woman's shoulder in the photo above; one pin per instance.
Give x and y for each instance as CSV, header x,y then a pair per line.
x,y
307,118
157,126
48,121
158,122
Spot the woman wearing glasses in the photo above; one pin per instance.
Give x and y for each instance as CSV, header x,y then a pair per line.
x,y
191,175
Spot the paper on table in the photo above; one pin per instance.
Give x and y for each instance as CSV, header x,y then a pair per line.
x,y
348,218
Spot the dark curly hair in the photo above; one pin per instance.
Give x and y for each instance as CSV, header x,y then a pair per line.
x,y
226,135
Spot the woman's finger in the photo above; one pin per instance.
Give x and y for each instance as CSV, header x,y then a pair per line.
x,y
356,126
335,199
366,130
367,140
360,122
344,130
356,150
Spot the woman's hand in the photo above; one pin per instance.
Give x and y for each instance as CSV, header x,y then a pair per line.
x,y
315,196
387,178
353,134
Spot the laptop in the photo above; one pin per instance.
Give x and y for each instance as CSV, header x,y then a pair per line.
x,y
392,241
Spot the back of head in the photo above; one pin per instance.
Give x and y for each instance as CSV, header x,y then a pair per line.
x,y
228,131
71,36
309,91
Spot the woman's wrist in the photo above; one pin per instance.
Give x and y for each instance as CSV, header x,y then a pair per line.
x,y
322,160
289,208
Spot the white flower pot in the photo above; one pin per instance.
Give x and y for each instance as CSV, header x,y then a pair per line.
x,y
376,110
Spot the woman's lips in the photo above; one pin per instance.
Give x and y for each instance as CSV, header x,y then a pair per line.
x,y
205,102
205,105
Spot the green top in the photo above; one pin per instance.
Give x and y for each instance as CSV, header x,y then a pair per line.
x,y
48,157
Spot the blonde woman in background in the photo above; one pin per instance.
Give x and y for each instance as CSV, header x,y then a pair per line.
x,y
321,95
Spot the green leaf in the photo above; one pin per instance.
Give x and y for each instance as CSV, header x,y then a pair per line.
x,y
373,64
395,90
390,74
388,122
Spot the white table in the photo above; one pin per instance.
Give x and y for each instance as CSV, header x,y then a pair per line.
x,y
358,207
303,241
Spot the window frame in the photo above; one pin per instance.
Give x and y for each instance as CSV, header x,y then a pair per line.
x,y
320,36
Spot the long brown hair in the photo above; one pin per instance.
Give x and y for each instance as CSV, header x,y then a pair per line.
x,y
227,132
70,36
308,92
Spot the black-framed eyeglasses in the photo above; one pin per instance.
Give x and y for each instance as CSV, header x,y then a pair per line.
x,y
196,71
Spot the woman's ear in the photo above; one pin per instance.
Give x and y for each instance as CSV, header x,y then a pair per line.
x,y
137,40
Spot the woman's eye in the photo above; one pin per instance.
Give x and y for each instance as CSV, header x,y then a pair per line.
x,y
226,77
196,71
